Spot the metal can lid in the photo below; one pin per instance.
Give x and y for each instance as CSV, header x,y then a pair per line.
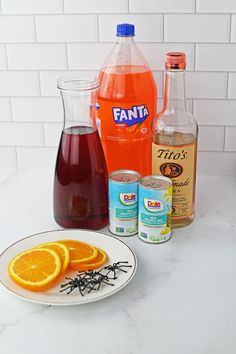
x,y
155,182
124,176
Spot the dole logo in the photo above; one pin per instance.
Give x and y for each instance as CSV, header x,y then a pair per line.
x,y
153,205
130,116
128,198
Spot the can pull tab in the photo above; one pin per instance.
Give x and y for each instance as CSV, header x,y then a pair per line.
x,y
153,185
124,179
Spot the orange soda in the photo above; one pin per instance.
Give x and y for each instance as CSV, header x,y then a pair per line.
x,y
127,101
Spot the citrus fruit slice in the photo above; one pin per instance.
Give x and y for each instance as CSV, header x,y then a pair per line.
x,y
80,252
62,251
35,269
133,128
95,263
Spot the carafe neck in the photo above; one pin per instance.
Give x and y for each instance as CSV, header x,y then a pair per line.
x,y
174,93
79,109
79,101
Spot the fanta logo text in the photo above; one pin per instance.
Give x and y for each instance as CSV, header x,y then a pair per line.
x,y
128,198
153,205
130,116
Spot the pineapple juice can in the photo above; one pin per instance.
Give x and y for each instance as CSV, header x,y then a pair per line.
x,y
155,205
123,202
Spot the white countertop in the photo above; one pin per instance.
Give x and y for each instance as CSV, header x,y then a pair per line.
x,y
181,301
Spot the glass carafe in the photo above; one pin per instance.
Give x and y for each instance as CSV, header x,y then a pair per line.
x,y
80,183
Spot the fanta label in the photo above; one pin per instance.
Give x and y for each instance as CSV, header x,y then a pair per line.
x,y
130,116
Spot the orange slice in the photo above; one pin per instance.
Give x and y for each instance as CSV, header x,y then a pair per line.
x,y
80,252
62,251
95,263
35,269
133,128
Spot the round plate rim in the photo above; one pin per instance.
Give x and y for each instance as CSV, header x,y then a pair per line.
x,y
76,302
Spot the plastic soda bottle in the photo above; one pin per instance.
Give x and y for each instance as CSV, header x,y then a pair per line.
x,y
127,101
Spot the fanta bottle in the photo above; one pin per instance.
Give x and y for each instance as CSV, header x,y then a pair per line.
x,y
127,101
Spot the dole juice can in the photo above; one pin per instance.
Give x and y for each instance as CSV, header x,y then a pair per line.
x,y
155,205
123,202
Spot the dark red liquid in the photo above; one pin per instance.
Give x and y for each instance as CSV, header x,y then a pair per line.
x,y
80,185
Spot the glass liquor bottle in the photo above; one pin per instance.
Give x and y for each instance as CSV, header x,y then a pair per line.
x,y
174,144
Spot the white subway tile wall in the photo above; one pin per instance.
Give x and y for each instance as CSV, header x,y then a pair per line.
x,y
161,6
51,28
16,7
48,80
36,56
149,28
232,86
19,83
5,109
17,29
3,57
37,109
95,6
196,28
36,157
21,134
52,133
230,139
41,40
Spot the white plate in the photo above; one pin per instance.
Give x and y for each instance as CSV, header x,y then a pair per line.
x,y
115,248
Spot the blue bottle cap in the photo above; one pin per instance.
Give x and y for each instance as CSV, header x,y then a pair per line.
x,y
125,29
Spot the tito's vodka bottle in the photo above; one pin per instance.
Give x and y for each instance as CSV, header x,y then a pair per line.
x,y
174,146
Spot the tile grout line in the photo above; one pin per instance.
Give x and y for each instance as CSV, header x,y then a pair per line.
x,y
35,30
224,138
98,28
11,109
55,146
39,123
193,104
163,28
44,138
17,158
92,69
120,13
227,85
28,146
195,6
15,147
80,42
7,64
39,80
67,58
230,27
187,97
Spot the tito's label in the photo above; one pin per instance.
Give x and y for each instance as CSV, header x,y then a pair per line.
x,y
177,163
